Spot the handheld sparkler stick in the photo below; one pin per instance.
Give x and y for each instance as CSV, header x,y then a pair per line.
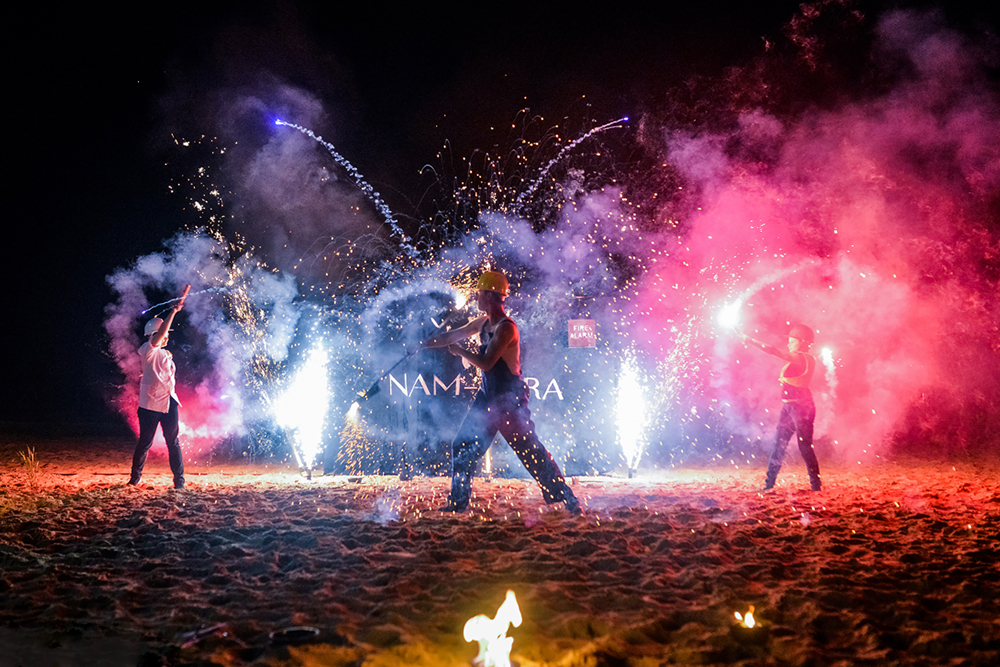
x,y
183,296
374,389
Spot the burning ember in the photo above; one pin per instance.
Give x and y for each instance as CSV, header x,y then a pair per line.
x,y
746,620
491,633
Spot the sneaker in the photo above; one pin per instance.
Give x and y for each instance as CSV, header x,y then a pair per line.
x,y
573,506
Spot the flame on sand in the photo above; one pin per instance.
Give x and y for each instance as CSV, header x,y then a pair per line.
x,y
746,620
491,633
303,406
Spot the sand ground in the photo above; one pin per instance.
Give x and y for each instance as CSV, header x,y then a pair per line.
x,y
895,564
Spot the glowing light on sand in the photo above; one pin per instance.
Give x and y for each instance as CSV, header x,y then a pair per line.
x,y
729,316
630,412
302,407
746,620
491,633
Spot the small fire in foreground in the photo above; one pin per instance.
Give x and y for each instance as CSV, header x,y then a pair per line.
x,y
746,620
491,633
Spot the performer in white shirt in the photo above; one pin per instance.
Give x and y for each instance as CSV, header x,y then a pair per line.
x,y
158,404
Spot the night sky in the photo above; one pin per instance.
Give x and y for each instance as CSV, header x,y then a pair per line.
x,y
96,95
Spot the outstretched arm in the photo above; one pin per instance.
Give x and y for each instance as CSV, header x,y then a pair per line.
x,y
503,337
773,351
157,339
461,333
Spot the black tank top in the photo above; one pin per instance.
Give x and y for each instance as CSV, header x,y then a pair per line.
x,y
497,381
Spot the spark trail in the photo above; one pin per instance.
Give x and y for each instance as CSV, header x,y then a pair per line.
x,y
521,198
363,185
210,290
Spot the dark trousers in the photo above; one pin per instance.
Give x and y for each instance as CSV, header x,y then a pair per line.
x,y
796,418
170,423
511,417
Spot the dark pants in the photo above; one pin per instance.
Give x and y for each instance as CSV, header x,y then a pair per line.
x,y
508,414
170,423
796,417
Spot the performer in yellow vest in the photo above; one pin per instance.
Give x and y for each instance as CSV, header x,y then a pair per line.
x,y
798,412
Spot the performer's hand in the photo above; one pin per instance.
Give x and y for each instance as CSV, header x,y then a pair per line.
x,y
454,349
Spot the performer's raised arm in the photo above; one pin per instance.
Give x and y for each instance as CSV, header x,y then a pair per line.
x,y
446,338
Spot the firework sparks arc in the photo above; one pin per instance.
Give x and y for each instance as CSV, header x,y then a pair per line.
x,y
521,198
365,187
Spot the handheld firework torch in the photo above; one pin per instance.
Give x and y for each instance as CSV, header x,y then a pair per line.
x,y
729,315
445,320
374,389
183,296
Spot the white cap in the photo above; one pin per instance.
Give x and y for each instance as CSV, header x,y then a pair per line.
x,y
153,326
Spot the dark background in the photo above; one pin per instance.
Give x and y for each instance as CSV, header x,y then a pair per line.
x,y
97,92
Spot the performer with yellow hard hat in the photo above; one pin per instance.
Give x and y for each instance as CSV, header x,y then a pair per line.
x,y
501,403
798,412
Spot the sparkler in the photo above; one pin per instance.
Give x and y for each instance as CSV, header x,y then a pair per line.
x,y
374,389
826,356
491,633
729,315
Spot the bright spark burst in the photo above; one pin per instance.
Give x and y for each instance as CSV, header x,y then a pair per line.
x,y
826,356
729,315
303,406
630,412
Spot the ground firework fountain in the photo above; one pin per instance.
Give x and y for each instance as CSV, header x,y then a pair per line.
x,y
301,410
630,413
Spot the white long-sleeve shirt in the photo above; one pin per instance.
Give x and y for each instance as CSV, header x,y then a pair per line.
x,y
157,385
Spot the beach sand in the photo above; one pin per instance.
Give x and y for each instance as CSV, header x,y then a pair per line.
x,y
890,564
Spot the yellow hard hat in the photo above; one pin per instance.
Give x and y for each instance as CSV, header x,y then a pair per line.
x,y
493,281
803,333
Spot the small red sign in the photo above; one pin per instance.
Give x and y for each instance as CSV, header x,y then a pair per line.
x,y
582,333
